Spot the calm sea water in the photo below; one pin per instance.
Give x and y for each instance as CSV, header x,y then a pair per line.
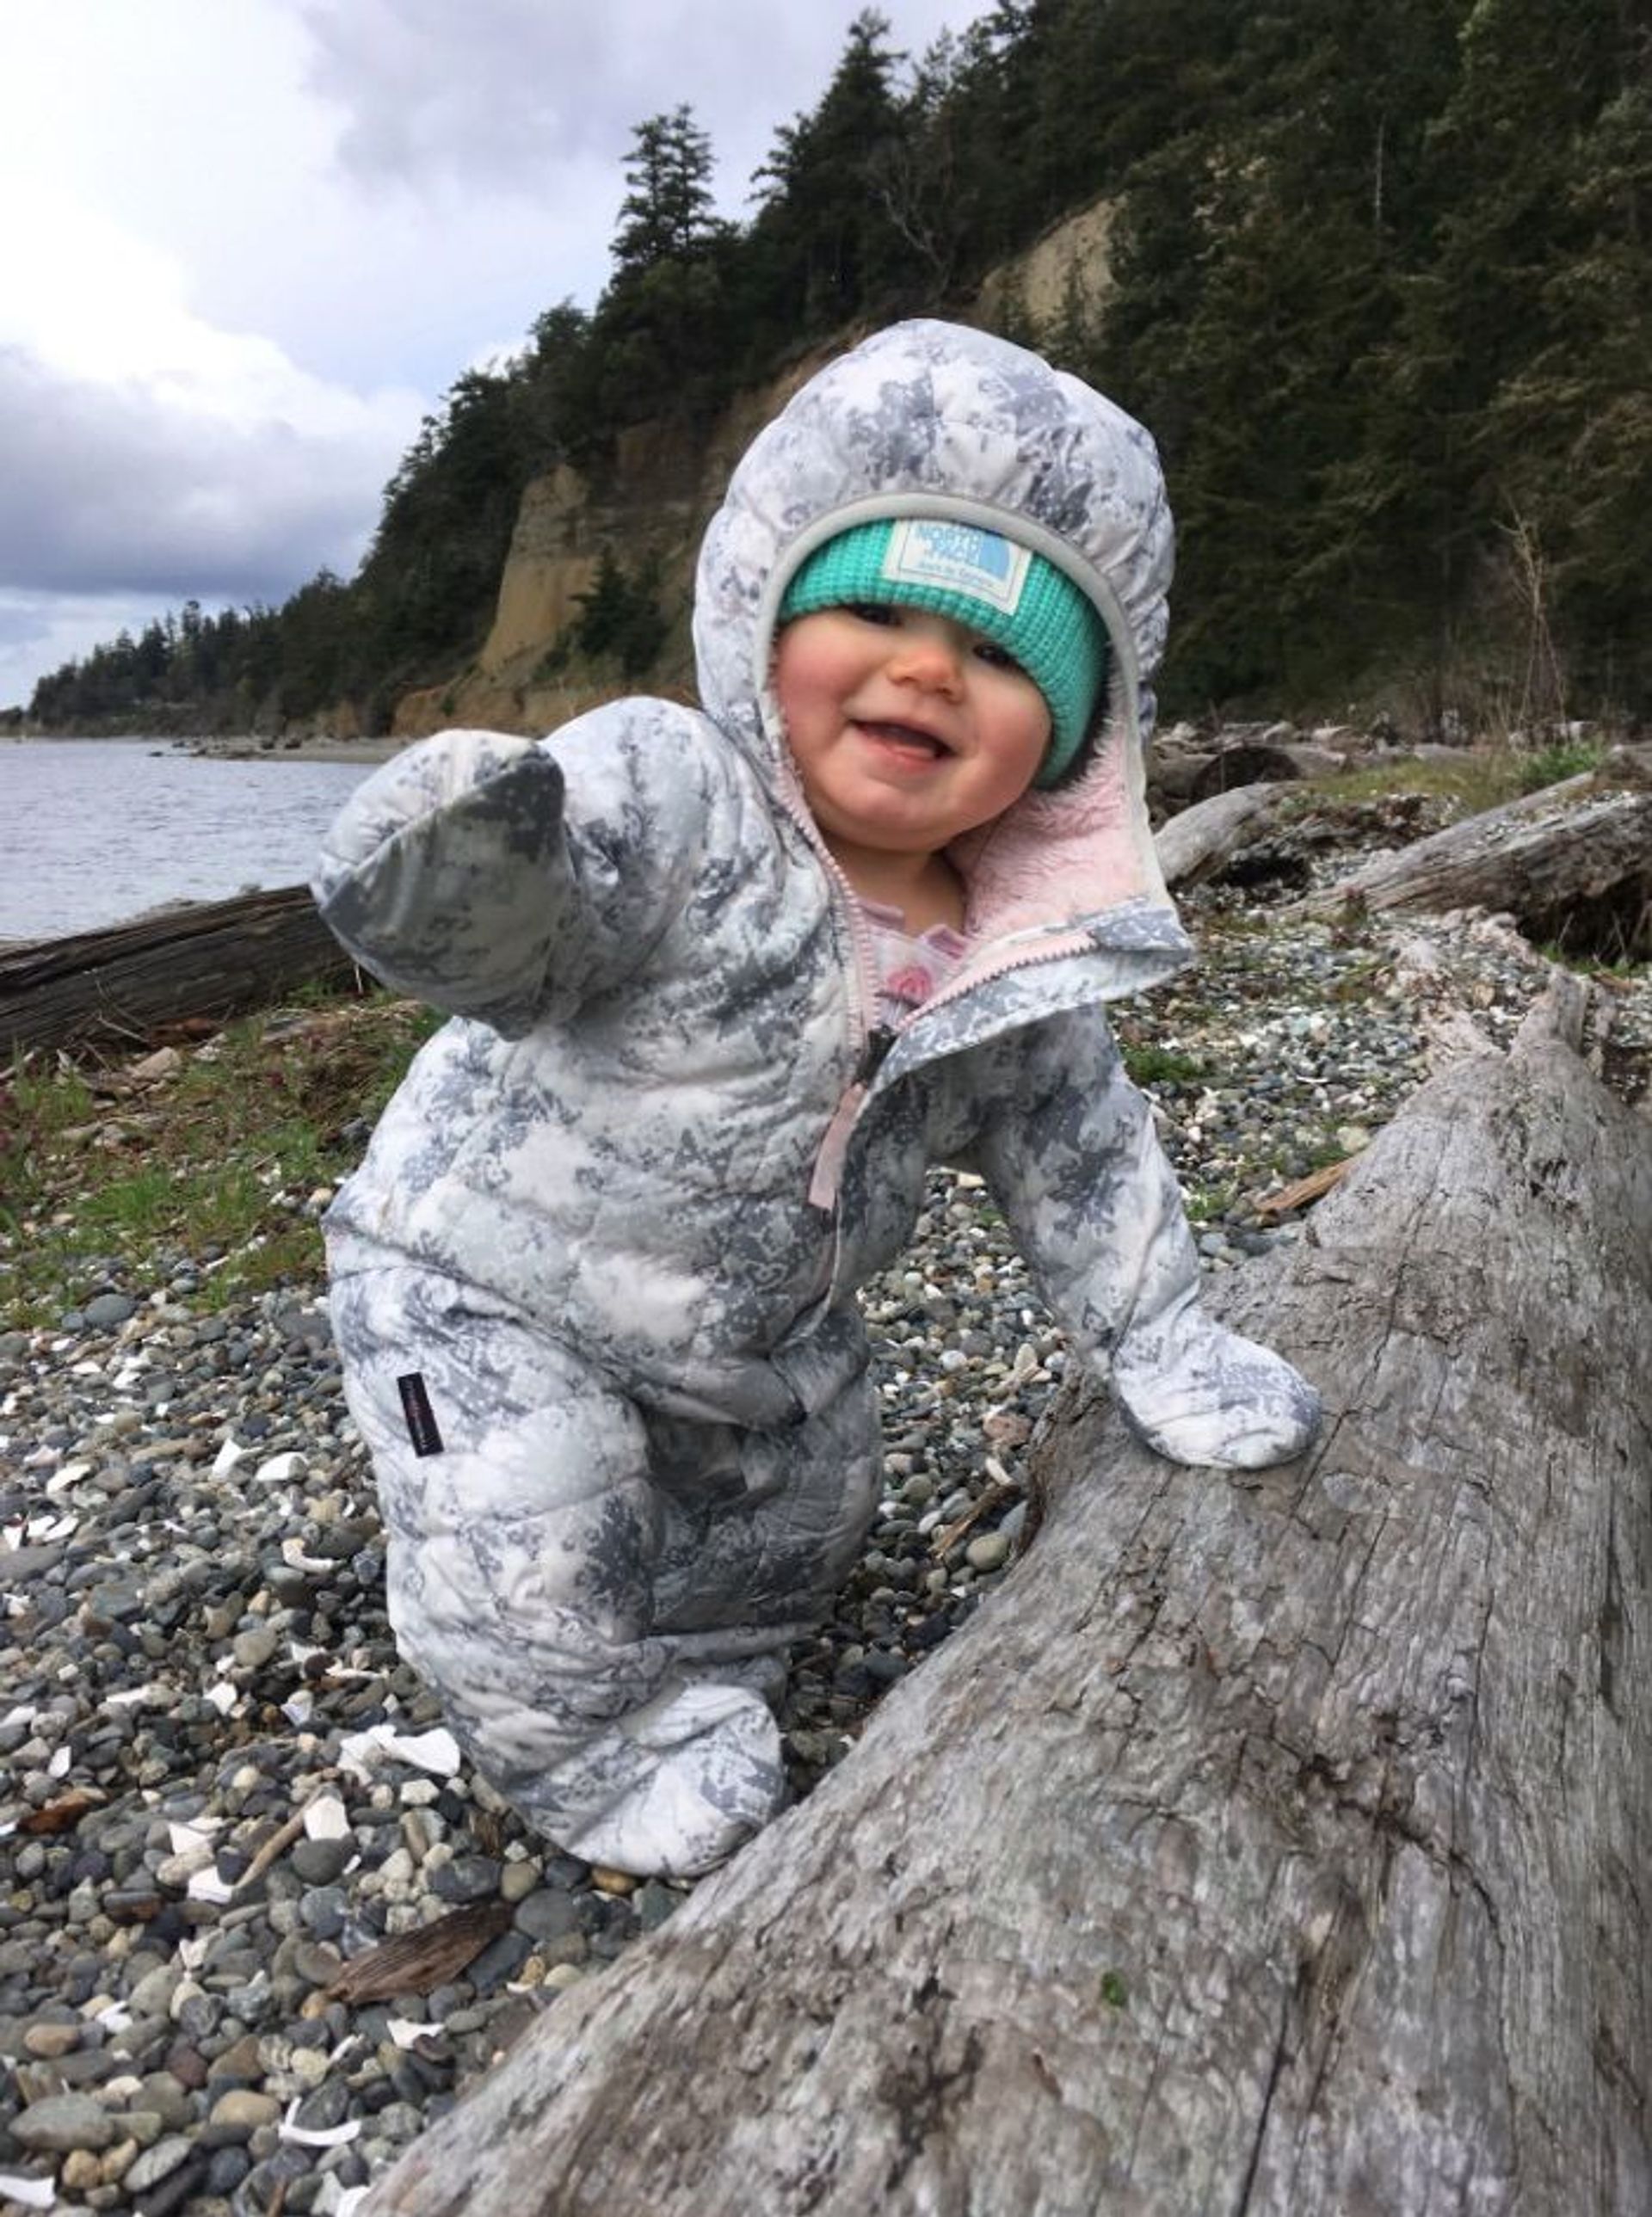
x,y
93,831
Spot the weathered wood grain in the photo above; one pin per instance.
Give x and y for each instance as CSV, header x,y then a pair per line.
x,y
204,959
1270,1845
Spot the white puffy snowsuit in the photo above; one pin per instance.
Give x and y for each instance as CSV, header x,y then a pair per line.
x,y
593,1285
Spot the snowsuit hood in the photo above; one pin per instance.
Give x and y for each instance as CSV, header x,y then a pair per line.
x,y
933,419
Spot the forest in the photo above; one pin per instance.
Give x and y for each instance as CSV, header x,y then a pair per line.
x,y
1378,280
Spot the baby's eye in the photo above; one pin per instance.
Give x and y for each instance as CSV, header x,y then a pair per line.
x,y
874,612
989,651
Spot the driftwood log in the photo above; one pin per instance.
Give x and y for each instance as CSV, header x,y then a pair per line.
x,y
1277,1844
1202,841
207,960
1572,864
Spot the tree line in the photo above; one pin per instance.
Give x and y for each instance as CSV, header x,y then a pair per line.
x,y
1378,280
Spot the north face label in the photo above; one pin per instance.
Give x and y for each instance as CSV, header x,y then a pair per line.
x,y
959,558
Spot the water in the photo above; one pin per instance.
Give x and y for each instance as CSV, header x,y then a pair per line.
x,y
95,831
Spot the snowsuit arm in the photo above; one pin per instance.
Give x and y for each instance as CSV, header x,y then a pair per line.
x,y
1069,1150
500,878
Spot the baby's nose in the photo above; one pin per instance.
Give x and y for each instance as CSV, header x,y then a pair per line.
x,y
928,659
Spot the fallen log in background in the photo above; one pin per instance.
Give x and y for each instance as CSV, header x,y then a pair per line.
x,y
1276,1844
1203,840
209,959
1572,864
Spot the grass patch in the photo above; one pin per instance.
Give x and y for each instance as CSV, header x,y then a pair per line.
x,y
1470,778
1471,781
1552,765
215,1161
1206,1204
1161,1065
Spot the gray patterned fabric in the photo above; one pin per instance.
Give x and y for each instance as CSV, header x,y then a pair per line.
x,y
615,1218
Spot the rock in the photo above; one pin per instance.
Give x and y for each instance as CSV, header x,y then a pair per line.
x,y
62,2123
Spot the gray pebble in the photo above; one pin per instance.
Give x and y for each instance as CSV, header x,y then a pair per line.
x,y
547,1914
62,2122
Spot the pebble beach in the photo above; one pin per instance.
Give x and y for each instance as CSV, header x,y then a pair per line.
x,y
222,1792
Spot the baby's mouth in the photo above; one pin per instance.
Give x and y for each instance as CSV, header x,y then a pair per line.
x,y
908,739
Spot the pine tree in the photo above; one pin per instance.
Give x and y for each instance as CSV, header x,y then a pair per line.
x,y
824,227
666,214
1538,329
1261,260
655,346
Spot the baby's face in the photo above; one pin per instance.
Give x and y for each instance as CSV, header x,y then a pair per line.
x,y
907,729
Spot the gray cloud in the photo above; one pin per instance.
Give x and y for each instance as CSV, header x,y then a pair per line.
x,y
486,145
111,490
503,92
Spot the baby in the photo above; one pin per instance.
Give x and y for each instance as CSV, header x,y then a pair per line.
x,y
725,983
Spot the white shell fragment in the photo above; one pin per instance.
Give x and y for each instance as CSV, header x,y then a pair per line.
x,y
281,1469
27,2193
325,1818
319,2135
436,1751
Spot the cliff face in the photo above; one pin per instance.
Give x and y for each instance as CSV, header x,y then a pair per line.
x,y
653,504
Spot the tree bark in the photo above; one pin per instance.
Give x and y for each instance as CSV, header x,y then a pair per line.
x,y
1275,1843
209,959
1573,865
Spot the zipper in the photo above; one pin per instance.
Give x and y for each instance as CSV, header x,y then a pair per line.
x,y
829,1157
862,1033
1052,950
879,1040
827,1176
872,1041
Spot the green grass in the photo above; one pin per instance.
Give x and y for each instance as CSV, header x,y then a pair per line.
x,y
218,1162
1206,1203
1552,765
1472,779
1159,1065
1478,780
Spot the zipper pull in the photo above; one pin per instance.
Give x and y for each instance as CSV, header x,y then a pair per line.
x,y
878,1043
828,1164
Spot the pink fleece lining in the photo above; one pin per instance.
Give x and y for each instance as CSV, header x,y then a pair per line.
x,y
1056,857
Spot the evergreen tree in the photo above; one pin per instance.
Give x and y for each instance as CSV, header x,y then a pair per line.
x,y
656,347
1261,262
428,585
1532,341
666,214
619,616
824,224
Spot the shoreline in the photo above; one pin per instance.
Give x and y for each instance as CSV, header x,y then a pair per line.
x,y
244,748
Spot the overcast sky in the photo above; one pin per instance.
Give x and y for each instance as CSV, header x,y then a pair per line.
x,y
248,243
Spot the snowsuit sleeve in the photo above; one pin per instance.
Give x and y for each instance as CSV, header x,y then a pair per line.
x,y
504,879
1069,1152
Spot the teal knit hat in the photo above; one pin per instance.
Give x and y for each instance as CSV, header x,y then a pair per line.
x,y
1007,593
